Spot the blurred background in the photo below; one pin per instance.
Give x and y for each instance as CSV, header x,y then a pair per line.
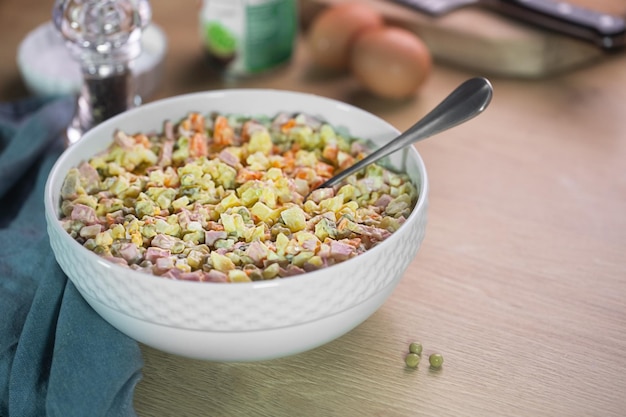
x,y
470,40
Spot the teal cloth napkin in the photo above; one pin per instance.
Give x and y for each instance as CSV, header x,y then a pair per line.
x,y
57,356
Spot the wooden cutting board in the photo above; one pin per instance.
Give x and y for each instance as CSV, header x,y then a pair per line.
x,y
489,43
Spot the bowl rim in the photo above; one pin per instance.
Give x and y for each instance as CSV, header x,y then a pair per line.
x,y
51,212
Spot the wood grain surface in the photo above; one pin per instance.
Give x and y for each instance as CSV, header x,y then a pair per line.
x,y
521,280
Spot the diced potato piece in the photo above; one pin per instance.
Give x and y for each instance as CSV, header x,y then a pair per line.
x,y
271,271
315,261
180,203
256,233
183,265
332,204
230,200
274,174
324,228
304,236
195,259
237,275
294,218
281,244
257,161
104,238
136,238
302,257
260,141
221,262
194,237
250,196
144,208
264,213
268,197
233,224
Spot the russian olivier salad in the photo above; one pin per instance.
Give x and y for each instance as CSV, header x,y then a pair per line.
x,y
222,198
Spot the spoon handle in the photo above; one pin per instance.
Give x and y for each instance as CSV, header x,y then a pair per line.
x,y
464,103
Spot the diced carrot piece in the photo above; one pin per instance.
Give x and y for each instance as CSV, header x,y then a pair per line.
x,y
197,122
353,242
223,133
330,152
324,169
288,125
245,131
247,175
198,146
289,161
141,139
316,183
347,161
211,225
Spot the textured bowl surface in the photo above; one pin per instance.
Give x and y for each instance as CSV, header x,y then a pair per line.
x,y
243,321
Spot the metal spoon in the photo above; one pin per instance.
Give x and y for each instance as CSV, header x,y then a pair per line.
x,y
464,103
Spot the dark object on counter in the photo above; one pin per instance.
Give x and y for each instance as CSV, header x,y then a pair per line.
x,y
57,356
602,29
105,37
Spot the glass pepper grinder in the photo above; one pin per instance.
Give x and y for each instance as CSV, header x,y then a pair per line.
x,y
104,36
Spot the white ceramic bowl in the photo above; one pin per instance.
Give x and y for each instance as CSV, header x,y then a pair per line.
x,y
239,321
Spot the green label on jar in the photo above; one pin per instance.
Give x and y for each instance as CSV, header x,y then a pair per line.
x,y
271,30
247,37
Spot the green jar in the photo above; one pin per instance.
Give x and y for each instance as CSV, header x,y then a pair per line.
x,y
247,37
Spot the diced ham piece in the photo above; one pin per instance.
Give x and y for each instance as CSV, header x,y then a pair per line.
x,y
168,129
84,214
184,219
211,236
89,177
228,158
129,252
250,127
154,253
173,273
340,251
164,241
90,231
290,271
192,276
163,264
375,234
324,251
216,276
279,120
257,251
310,244
383,201
165,154
123,140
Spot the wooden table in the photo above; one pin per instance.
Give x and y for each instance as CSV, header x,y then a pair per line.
x,y
521,280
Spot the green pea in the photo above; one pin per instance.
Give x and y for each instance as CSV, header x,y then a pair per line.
x,y
436,360
416,348
412,360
